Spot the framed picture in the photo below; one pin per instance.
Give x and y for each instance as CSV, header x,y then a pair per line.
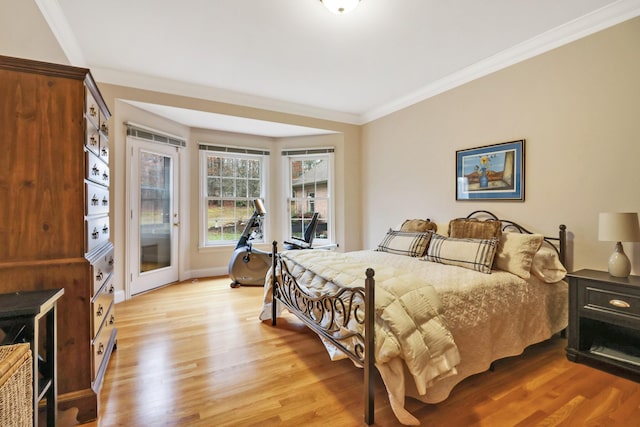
x,y
491,172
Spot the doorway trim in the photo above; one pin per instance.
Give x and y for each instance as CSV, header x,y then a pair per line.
x,y
147,135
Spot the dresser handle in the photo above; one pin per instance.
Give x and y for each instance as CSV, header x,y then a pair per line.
x,y
99,276
104,129
99,311
94,201
619,303
95,235
112,320
105,201
93,141
95,170
100,349
105,229
92,111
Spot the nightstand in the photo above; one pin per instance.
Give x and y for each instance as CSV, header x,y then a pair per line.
x,y
604,320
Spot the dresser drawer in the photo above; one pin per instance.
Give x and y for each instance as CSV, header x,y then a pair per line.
x,y
104,148
92,137
97,199
96,170
617,302
101,267
97,232
92,110
100,303
100,344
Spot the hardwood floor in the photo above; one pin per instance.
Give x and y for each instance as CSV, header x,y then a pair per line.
x,y
195,354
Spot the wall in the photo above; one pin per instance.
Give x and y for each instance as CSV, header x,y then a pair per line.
x,y
577,107
199,262
24,33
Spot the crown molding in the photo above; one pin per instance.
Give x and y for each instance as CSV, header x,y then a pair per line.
x,y
593,22
174,87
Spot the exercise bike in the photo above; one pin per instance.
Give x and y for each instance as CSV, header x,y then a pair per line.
x,y
249,266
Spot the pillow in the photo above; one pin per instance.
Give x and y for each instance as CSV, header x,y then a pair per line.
x,y
474,254
418,225
547,267
442,228
471,228
515,253
405,243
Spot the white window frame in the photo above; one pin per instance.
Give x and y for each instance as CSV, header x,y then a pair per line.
x,y
311,154
237,153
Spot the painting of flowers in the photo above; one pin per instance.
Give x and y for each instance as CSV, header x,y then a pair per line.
x,y
492,172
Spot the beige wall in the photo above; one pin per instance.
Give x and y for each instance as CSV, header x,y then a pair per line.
x,y
24,33
196,261
578,107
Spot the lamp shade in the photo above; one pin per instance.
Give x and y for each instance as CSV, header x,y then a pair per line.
x,y
340,7
619,227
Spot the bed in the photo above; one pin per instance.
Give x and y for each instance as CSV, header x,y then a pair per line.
x,y
448,303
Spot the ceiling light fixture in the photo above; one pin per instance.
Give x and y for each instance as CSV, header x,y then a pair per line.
x,y
340,7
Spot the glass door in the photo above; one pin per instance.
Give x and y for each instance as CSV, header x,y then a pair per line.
x,y
155,223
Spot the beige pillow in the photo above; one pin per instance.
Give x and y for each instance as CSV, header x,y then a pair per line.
x,y
405,243
443,228
474,254
547,267
515,253
471,228
418,225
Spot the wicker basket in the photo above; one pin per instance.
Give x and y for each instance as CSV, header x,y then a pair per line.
x,y
16,386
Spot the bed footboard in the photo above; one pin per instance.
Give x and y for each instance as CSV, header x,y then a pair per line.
x,y
331,317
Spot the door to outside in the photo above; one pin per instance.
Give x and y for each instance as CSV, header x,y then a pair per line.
x,y
154,226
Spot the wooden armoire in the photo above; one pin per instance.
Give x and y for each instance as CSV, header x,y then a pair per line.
x,y
54,213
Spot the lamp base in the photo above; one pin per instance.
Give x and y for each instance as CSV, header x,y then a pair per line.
x,y
619,264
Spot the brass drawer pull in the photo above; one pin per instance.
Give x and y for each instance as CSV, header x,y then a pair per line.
x,y
99,311
619,303
100,349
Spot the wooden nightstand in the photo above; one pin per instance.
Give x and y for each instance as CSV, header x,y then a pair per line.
x,y
604,320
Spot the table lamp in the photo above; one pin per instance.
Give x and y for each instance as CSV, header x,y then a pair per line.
x,y
619,227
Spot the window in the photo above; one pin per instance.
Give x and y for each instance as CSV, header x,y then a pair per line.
x,y
310,188
233,178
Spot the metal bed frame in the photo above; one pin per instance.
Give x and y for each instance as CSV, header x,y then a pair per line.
x,y
353,303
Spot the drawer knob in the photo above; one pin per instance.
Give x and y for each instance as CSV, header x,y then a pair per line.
x,y
112,320
619,303
95,235
100,310
92,111
93,141
104,129
100,348
95,170
99,276
94,200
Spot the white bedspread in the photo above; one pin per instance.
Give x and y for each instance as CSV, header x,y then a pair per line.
x,y
490,316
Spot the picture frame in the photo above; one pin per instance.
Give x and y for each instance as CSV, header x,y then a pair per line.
x,y
491,172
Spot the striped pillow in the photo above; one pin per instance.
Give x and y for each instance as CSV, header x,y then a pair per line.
x,y
474,254
405,243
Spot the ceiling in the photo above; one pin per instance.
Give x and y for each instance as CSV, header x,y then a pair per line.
x,y
294,56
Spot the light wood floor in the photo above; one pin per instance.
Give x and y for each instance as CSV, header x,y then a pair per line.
x,y
194,354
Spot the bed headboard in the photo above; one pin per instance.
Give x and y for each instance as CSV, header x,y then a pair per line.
x,y
559,244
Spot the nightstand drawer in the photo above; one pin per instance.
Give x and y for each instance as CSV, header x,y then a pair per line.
x,y
617,302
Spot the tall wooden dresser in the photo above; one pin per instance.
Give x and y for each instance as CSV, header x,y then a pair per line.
x,y
54,213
